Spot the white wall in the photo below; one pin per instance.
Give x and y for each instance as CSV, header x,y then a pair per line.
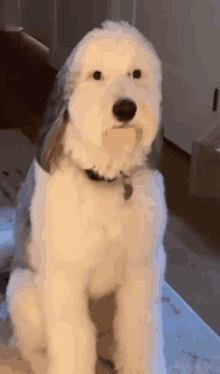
x,y
186,35
10,15
60,24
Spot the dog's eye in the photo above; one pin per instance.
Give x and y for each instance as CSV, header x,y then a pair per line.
x,y
97,75
137,74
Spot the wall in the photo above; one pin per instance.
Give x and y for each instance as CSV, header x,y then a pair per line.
x,y
186,35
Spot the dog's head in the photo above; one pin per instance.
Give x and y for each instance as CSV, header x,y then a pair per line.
x,y
104,111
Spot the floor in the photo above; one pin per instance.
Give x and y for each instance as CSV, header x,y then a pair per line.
x,y
192,239
199,214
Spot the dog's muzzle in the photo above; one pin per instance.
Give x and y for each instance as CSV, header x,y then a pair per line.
x,y
124,110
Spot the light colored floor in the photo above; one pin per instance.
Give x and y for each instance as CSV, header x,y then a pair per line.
x,y
190,345
193,271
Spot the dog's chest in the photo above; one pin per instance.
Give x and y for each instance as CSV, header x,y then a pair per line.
x,y
82,219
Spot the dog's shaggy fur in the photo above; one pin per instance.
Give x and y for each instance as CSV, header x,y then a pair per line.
x,y
97,215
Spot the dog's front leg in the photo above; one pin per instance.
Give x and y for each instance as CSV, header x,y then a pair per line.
x,y
71,334
138,326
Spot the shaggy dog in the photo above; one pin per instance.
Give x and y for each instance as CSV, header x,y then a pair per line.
x,y
92,214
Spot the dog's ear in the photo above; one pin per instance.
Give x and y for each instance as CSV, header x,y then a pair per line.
x,y
49,144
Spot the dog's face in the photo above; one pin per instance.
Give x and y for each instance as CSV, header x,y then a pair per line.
x,y
113,87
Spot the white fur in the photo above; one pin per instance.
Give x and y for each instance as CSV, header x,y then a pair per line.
x,y
86,239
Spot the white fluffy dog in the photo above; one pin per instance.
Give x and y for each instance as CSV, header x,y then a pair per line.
x,y
97,214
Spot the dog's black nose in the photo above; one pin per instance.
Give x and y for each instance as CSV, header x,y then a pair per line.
x,y
124,110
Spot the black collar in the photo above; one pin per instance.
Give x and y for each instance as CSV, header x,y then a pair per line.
x,y
128,190
95,176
